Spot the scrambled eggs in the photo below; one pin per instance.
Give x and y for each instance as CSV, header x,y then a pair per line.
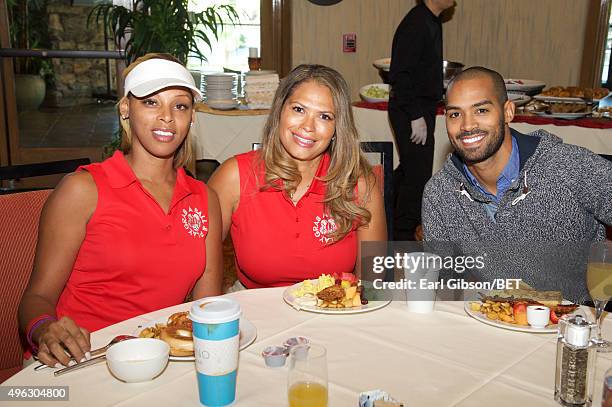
x,y
309,288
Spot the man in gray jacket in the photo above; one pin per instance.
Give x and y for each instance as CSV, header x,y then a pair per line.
x,y
525,199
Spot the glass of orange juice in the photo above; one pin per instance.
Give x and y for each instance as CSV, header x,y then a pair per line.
x,y
307,378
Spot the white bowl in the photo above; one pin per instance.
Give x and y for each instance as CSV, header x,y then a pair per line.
x,y
538,316
371,99
137,360
382,63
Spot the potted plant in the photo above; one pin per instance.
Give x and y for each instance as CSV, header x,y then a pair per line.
x,y
162,26
28,30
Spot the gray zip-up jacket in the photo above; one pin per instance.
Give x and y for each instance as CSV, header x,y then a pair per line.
x,y
563,196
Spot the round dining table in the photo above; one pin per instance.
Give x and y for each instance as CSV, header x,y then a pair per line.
x,y
443,358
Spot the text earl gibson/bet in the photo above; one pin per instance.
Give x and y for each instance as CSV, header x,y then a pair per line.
x,y
451,284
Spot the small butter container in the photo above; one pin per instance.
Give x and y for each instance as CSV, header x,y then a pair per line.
x,y
538,316
275,356
296,340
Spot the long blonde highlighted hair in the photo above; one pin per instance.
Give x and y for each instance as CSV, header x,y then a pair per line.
x,y
184,154
347,162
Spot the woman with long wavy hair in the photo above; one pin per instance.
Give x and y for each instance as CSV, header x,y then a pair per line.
x,y
301,205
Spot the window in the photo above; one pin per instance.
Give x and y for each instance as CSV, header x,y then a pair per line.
x,y
231,50
596,66
606,78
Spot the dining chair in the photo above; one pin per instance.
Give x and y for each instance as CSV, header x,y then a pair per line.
x,y
17,172
380,155
19,215
382,166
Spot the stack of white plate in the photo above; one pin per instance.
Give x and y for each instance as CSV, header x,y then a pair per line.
x,y
524,86
220,90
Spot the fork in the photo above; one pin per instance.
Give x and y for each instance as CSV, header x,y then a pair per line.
x,y
95,352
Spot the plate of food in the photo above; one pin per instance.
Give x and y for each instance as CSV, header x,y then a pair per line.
x,y
382,63
526,86
330,295
605,111
563,110
567,116
176,330
507,309
375,93
572,94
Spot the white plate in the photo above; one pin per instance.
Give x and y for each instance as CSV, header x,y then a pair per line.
x,y
549,329
222,78
248,334
382,63
291,300
228,87
519,99
371,99
562,99
524,85
569,116
222,106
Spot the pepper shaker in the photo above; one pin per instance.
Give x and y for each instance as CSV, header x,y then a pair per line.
x,y
575,362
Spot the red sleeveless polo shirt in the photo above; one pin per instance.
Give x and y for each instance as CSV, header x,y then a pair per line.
x,y
135,258
278,243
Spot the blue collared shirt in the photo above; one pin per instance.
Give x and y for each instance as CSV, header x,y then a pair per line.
x,y
509,174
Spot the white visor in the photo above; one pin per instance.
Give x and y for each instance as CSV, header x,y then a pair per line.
x,y
150,76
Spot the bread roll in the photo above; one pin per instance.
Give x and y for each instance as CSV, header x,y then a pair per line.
x,y
179,339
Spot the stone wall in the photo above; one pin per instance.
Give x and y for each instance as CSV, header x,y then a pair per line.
x,y
76,81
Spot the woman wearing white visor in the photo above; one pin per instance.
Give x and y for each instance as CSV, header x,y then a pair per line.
x,y
129,235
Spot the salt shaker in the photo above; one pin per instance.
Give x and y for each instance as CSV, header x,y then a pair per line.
x,y
575,362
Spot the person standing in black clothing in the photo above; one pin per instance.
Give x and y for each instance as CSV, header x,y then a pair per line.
x,y
416,83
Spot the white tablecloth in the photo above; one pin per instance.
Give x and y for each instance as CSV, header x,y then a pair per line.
x,y
220,137
444,358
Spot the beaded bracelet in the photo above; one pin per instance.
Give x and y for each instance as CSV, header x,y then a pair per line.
x,y
35,323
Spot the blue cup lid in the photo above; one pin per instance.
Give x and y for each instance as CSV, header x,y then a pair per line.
x,y
214,310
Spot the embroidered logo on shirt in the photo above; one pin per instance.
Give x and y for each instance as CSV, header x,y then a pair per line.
x,y
194,222
323,226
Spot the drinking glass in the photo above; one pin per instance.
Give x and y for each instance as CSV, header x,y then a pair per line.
x,y
606,397
599,283
307,378
254,63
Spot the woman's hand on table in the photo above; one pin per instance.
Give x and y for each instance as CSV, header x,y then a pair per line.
x,y
55,338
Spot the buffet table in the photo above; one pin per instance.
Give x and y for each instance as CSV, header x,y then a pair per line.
x,y
221,136
440,359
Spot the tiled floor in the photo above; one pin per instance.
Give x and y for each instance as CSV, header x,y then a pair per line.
x,y
91,125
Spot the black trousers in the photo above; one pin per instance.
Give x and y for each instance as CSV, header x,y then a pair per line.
x,y
413,172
